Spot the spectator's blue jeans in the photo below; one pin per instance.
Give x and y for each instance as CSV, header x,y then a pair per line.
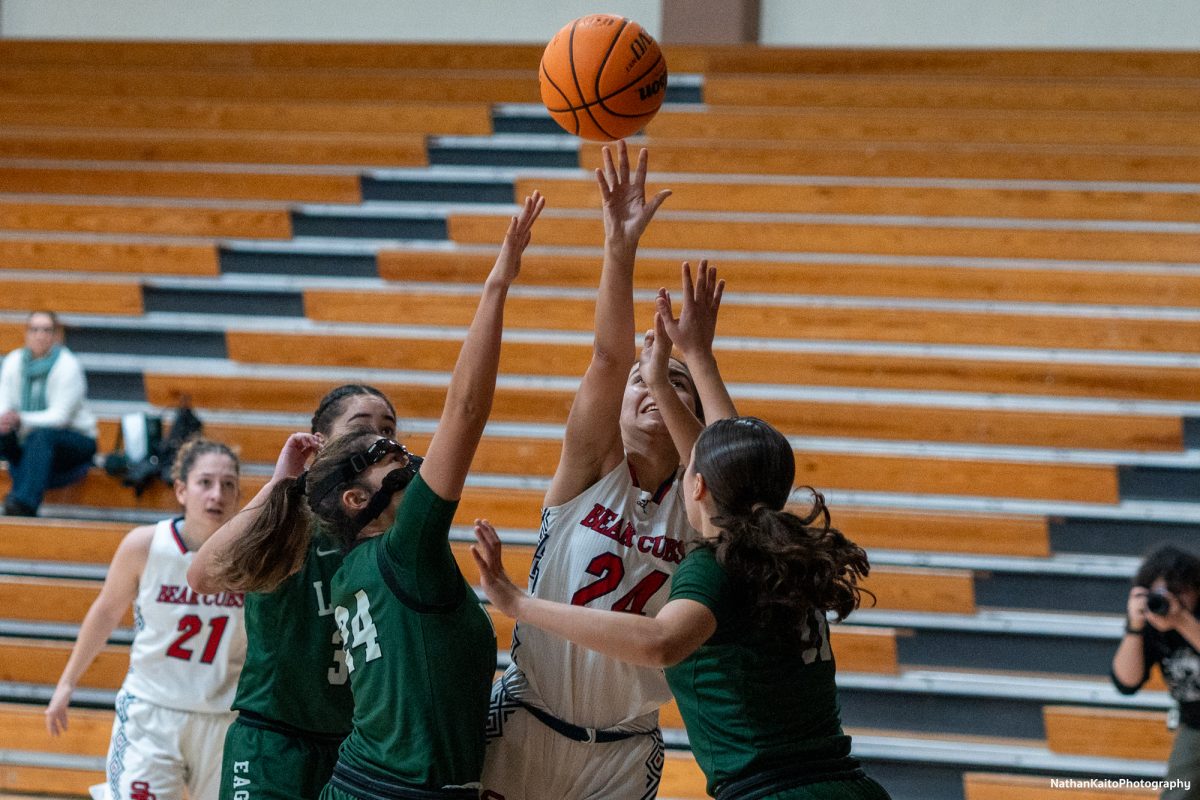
x,y
45,453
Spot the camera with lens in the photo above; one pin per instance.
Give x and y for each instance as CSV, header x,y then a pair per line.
x,y
1158,603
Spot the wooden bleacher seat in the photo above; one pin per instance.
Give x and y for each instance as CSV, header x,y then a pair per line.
x,y
764,319
326,55
97,254
1047,94
950,125
1107,732
146,219
992,786
30,538
907,160
580,229
397,85
960,373
246,147
221,114
70,177
1165,287
807,195
69,297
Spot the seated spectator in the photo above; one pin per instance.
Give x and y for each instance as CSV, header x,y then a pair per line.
x,y
47,432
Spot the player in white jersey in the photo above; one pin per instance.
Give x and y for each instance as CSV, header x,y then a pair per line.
x,y
565,721
174,705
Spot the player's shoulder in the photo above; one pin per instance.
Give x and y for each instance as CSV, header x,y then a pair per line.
x,y
140,537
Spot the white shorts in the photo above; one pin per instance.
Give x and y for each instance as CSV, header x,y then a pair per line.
x,y
526,760
155,753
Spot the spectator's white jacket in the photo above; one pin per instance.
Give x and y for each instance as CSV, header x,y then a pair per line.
x,y
66,395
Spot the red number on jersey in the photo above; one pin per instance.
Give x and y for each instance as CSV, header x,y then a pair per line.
x,y
610,569
192,625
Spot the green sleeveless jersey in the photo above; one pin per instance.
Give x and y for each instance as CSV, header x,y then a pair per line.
x,y
295,671
752,701
420,648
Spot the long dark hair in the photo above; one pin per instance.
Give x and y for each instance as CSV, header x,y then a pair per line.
x,y
276,543
782,566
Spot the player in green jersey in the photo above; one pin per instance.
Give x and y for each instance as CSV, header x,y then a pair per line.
x,y
419,648
744,637
293,695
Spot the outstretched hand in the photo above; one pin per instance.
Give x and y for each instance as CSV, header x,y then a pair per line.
x,y
516,239
296,452
504,594
654,360
623,197
696,326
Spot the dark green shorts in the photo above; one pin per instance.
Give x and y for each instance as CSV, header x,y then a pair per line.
x,y
261,764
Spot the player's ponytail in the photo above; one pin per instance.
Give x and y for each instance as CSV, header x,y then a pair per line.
x,y
273,546
783,566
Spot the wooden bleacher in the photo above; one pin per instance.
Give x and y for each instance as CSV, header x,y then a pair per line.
x,y
958,277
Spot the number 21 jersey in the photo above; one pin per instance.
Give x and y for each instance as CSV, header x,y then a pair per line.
x,y
613,547
187,648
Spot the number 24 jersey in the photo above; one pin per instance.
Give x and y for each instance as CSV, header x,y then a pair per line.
x,y
612,547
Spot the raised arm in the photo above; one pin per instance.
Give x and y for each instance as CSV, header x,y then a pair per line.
x,y
205,575
473,384
659,641
592,442
693,334
119,592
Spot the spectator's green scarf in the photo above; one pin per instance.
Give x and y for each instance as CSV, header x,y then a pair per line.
x,y
34,374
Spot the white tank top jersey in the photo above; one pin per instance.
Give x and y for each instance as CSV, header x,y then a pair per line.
x,y
612,547
188,648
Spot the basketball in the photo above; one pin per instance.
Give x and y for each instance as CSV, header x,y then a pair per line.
x,y
603,77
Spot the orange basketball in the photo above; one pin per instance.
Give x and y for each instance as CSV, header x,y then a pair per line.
x,y
603,77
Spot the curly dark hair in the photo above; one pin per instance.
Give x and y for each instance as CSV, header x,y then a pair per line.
x,y
1177,567
782,567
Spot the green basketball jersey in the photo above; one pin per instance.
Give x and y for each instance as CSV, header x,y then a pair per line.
x,y
752,701
420,648
295,671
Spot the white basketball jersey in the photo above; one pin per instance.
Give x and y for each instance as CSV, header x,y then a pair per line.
x,y
187,648
612,547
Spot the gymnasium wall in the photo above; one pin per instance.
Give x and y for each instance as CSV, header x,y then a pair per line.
x,y
1140,24
345,20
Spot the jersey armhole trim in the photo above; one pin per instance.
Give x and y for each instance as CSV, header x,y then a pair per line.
x,y
388,573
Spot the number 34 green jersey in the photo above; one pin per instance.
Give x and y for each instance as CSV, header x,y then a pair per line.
x,y
420,649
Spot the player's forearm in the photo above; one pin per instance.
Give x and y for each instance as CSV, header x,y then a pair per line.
x,y
714,396
681,423
614,342
628,637
97,626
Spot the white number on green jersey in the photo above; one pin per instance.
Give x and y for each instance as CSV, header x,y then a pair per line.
x,y
338,674
360,631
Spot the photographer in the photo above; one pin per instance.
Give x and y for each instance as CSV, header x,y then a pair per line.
x,y
1161,628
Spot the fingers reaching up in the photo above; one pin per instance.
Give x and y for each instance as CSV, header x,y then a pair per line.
x,y
518,236
627,212
696,326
